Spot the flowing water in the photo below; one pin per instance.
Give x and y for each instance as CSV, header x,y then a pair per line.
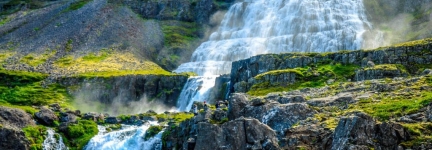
x,y
128,138
51,143
253,27
195,89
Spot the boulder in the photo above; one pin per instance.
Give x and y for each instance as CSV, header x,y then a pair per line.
x,y
46,116
15,117
91,116
237,102
112,120
12,138
68,117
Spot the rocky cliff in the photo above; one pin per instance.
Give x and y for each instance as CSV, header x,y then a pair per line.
x,y
413,57
126,91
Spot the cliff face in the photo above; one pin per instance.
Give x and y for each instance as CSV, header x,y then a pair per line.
x,y
412,57
126,91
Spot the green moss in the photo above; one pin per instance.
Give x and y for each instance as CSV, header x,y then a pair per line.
x,y
420,133
35,60
387,107
79,134
152,131
25,89
306,77
179,34
35,134
77,5
175,117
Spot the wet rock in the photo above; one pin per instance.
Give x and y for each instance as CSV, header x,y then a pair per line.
x,y
46,116
68,117
427,72
15,117
91,116
112,120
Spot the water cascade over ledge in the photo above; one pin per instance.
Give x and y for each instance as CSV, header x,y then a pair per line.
x,y
128,138
51,143
253,27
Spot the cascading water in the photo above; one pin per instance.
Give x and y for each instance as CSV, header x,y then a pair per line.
x,y
128,138
51,143
253,27
196,89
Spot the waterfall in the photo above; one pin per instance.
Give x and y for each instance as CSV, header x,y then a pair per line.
x,y
253,27
195,89
128,138
51,143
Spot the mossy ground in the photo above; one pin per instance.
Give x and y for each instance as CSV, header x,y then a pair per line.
x,y
79,134
37,59
25,89
306,77
35,135
108,63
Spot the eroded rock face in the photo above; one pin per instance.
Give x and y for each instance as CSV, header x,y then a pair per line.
x,y
46,116
237,134
360,131
15,117
236,104
12,138
310,136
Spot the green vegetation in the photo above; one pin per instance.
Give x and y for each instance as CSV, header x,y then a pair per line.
x,y
305,77
77,5
415,43
35,60
176,35
175,117
35,134
152,131
108,63
25,88
78,135
420,132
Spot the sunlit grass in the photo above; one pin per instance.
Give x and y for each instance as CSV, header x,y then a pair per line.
x,y
108,63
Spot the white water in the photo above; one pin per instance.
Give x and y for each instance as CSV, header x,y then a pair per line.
x,y
128,138
51,143
195,89
253,27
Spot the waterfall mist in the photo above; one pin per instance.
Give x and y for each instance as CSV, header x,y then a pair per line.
x,y
88,101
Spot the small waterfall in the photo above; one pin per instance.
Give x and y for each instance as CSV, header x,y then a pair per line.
x,y
51,143
227,90
128,138
196,89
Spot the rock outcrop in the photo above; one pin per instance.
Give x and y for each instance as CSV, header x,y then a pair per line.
x,y
244,71
46,116
126,89
15,117
360,131
11,123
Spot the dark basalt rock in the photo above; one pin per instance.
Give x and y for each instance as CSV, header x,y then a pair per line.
x,y
15,117
46,116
